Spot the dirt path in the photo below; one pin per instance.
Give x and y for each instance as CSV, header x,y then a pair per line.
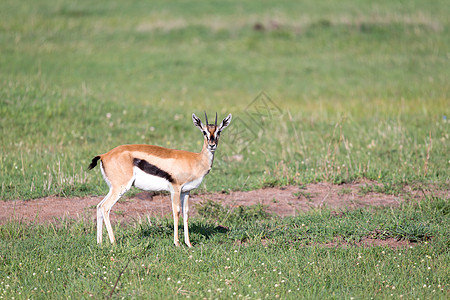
x,y
283,201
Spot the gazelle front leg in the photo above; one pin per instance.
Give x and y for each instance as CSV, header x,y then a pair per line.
x,y
176,214
185,205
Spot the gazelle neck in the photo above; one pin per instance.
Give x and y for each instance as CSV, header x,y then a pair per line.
x,y
207,154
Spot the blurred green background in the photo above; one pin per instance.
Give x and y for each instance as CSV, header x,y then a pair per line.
x,y
361,89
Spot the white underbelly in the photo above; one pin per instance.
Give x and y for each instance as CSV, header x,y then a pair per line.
x,y
191,185
149,182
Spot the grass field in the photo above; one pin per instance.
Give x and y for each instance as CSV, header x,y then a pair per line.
x,y
245,254
319,91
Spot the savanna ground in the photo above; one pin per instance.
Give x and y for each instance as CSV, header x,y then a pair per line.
x,y
331,181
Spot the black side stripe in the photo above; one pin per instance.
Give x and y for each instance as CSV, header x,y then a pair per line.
x,y
152,169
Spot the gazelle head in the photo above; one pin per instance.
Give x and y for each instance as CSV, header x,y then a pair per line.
x,y
211,132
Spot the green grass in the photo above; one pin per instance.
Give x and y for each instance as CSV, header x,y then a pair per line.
x,y
239,253
362,89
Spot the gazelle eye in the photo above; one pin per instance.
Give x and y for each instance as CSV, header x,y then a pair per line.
x,y
204,132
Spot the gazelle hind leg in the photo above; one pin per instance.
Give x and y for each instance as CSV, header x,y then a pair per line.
x,y
100,218
185,206
106,205
106,209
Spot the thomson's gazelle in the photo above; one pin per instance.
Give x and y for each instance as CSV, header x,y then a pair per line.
x,y
153,168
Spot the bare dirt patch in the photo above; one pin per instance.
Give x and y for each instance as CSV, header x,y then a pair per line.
x,y
283,201
367,242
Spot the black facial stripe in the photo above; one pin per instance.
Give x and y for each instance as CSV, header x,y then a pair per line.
x,y
152,169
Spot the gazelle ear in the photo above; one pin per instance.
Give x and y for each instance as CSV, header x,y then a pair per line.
x,y
225,123
197,122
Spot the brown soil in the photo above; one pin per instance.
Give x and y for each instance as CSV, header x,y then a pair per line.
x,y
283,201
